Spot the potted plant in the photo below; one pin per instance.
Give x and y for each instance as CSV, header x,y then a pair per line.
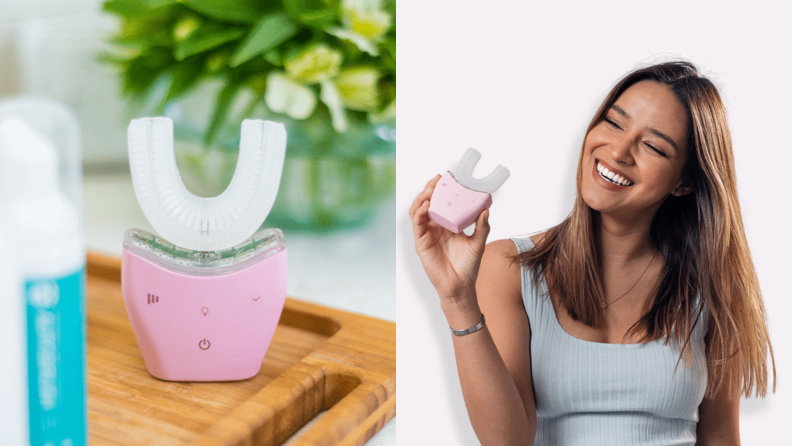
x,y
326,68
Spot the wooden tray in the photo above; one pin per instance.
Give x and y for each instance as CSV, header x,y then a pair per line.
x,y
319,359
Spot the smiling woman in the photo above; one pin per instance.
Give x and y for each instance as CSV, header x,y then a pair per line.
x,y
644,133
638,320
632,122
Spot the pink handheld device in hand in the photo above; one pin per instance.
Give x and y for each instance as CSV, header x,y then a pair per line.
x,y
459,198
205,296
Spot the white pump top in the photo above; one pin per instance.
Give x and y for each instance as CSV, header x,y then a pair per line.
x,y
60,127
206,224
44,222
28,162
463,174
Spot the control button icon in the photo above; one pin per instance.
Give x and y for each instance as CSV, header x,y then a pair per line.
x,y
255,297
204,344
204,310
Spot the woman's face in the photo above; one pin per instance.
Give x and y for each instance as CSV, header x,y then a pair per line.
x,y
641,142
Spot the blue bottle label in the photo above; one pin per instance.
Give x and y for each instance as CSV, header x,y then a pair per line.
x,y
56,335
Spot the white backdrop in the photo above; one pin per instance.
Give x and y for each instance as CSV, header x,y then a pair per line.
x,y
519,81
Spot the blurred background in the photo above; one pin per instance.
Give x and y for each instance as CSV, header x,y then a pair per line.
x,y
326,69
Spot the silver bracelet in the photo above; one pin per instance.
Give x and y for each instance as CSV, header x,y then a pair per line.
x,y
472,329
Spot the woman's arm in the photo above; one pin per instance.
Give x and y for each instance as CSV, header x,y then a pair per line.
x,y
719,416
719,421
494,363
501,408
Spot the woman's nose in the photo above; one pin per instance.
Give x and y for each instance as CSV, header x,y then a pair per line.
x,y
621,150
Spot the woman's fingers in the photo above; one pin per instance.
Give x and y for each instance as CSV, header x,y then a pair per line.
x,y
420,220
482,230
431,183
418,214
424,195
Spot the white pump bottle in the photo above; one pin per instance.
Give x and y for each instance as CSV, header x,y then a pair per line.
x,y
49,249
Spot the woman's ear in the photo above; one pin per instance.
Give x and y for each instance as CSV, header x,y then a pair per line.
x,y
682,189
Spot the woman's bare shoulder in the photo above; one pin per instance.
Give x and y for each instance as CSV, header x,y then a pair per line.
x,y
500,268
499,273
504,247
501,250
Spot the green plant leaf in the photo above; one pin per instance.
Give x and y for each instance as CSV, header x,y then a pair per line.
x,y
183,76
389,55
269,32
222,105
234,11
141,43
274,57
148,30
112,59
144,70
134,7
315,13
206,38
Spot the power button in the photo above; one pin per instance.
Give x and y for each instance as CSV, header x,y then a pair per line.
x,y
204,344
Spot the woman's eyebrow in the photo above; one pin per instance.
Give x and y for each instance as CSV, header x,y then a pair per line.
x,y
620,111
651,130
664,136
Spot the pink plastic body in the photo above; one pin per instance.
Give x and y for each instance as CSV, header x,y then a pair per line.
x,y
204,328
454,206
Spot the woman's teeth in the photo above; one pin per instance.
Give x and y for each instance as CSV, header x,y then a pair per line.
x,y
612,177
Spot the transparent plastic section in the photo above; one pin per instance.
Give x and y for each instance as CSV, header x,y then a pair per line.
x,y
197,223
463,174
261,245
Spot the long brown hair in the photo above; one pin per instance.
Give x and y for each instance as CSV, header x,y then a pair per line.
x,y
700,235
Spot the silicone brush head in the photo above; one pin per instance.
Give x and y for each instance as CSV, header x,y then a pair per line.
x,y
463,174
205,224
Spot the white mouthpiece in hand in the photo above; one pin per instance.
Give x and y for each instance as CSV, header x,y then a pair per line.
x,y
463,174
205,224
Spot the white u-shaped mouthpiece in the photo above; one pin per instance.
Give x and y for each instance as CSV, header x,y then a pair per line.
x,y
205,224
463,174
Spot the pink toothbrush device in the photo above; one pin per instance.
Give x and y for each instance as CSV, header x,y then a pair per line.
x,y
459,198
204,298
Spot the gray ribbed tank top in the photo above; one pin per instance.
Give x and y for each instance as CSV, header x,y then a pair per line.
x,y
590,393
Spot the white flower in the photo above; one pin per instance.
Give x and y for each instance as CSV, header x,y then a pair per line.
x,y
366,18
358,88
314,64
330,96
364,24
283,95
361,42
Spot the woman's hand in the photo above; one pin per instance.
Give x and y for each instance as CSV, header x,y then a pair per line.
x,y
450,260
501,408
